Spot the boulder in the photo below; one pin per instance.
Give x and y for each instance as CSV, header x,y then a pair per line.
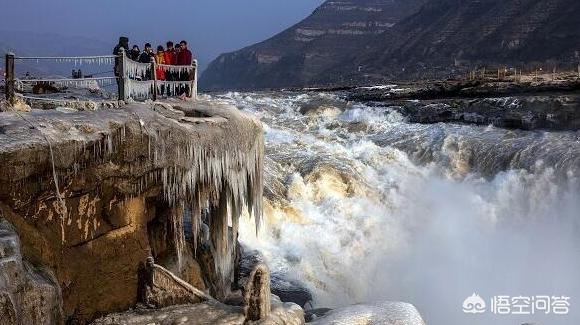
x,y
384,313
287,290
313,314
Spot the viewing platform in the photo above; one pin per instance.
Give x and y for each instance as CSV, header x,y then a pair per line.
x,y
136,82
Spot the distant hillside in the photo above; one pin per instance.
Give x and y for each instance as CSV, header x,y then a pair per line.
x,y
473,33
312,50
46,44
365,41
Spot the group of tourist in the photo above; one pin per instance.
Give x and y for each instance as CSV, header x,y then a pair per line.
x,y
174,54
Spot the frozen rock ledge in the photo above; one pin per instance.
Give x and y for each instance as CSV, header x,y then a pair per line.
x,y
93,194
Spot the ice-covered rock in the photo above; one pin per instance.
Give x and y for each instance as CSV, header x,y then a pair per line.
x,y
28,294
384,313
205,313
93,194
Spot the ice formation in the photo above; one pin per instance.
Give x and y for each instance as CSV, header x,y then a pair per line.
x,y
76,60
172,86
198,168
225,181
387,313
136,70
180,70
137,89
89,83
139,85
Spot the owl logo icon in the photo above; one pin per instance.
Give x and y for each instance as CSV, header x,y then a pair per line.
x,y
474,304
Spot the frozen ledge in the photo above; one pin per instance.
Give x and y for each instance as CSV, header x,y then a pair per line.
x,y
221,128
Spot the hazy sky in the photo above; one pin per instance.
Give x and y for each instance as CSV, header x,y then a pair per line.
x,y
211,26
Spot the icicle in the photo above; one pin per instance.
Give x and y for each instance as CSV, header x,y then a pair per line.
x,y
140,89
177,215
220,238
198,176
135,70
181,70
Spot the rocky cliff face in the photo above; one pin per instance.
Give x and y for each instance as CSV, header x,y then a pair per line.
x,y
28,294
311,51
368,41
92,195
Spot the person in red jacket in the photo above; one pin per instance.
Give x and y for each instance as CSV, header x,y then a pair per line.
x,y
160,59
170,58
184,57
170,55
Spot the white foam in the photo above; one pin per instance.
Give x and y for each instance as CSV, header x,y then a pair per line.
x,y
440,211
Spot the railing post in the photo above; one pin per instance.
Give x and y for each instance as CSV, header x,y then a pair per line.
x,y
122,76
10,79
193,81
154,69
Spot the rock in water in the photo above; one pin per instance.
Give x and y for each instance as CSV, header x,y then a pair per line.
x,y
313,314
385,313
287,290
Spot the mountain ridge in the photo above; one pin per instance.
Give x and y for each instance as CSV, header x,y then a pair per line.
x,y
369,41
310,48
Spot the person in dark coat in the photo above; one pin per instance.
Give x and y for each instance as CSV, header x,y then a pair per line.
x,y
147,55
123,44
135,52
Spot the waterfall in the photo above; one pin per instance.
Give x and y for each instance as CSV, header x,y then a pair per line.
x,y
364,206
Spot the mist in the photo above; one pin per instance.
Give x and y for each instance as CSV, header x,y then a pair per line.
x,y
512,236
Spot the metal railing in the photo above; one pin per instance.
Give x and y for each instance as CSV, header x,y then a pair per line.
x,y
135,80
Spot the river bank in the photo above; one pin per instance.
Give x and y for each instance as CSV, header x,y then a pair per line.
x,y
540,104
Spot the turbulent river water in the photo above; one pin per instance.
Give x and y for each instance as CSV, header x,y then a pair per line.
x,y
364,206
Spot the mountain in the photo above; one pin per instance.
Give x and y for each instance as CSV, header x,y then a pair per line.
x,y
310,51
345,42
449,34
